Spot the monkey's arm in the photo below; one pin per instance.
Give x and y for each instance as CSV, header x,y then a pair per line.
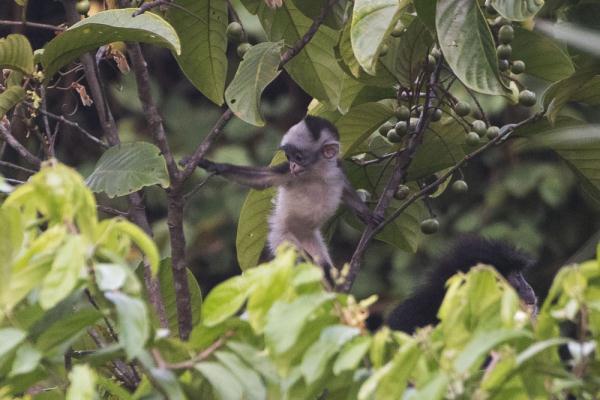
x,y
354,202
254,177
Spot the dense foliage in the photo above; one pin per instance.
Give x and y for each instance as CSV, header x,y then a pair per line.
x,y
418,90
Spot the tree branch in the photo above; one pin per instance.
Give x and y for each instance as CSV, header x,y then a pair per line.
x,y
7,136
27,24
403,161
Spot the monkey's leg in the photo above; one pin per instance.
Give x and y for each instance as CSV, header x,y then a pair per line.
x,y
315,246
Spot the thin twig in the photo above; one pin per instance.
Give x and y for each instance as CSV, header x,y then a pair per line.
x,y
197,187
27,24
196,359
17,146
17,167
72,124
112,211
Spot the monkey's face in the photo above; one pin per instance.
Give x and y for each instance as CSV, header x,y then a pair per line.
x,y
300,159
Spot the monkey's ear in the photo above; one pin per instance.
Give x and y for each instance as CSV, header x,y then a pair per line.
x,y
330,150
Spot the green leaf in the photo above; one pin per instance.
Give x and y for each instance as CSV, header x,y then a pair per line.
x,y
407,53
426,12
480,344
258,68
352,354
10,338
103,28
579,147
543,57
259,359
141,240
224,383
225,300
538,347
10,98
517,10
314,68
127,168
252,227
372,23
468,45
201,26
167,291
360,122
16,53
317,356
561,92
252,385
83,383
286,320
26,360
434,389
63,332
66,270
110,276
133,323
10,242
393,384
336,15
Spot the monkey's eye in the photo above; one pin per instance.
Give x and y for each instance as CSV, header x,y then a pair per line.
x,y
299,157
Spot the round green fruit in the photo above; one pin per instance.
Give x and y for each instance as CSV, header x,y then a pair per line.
x,y
83,7
402,192
436,115
460,186
364,195
401,128
242,49
384,50
472,139
402,113
503,65
527,98
492,132
436,53
398,30
518,67
506,34
235,32
504,51
462,109
430,226
385,128
393,136
479,127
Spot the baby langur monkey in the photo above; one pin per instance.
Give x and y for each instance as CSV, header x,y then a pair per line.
x,y
310,187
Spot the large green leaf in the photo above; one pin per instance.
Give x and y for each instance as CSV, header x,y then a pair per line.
x,y
543,56
127,168
60,335
258,68
252,227
517,10
360,122
133,323
426,12
10,338
286,320
83,383
318,355
107,27
65,272
168,295
336,15
16,53
314,68
10,242
468,45
372,22
26,360
201,26
352,354
252,385
407,53
225,300
225,385
579,147
10,98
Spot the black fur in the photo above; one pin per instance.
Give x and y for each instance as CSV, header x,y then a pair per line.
x,y
317,124
421,308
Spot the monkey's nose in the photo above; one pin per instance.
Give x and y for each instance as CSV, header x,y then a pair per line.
x,y
295,169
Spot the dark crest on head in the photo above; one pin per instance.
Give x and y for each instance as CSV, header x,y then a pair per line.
x,y
317,124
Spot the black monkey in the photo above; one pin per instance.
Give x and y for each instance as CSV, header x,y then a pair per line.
x,y
421,308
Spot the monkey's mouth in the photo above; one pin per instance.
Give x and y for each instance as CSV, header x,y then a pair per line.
x,y
296,169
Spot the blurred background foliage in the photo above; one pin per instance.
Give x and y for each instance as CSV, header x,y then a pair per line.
x,y
527,197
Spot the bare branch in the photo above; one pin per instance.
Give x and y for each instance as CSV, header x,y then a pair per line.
x,y
27,24
17,146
